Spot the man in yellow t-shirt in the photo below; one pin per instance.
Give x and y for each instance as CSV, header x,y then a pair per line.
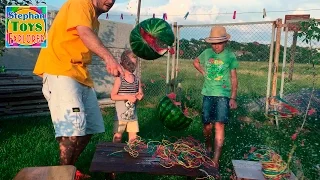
x,y
67,84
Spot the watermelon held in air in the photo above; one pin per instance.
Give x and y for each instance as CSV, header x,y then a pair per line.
x,y
172,116
150,39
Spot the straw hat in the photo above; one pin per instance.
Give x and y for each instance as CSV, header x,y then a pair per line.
x,y
218,34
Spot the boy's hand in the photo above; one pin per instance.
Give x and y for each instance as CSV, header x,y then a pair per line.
x,y
132,98
233,104
139,96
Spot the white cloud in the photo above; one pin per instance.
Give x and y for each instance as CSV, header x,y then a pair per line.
x,y
213,12
175,10
299,11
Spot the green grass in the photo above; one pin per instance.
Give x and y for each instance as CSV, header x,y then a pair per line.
x,y
252,77
29,141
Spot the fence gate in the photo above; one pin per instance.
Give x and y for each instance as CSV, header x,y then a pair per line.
x,y
299,74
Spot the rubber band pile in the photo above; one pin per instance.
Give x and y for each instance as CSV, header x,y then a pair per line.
x,y
186,152
273,167
282,109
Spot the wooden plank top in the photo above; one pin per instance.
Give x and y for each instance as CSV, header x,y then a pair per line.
x,y
111,157
66,172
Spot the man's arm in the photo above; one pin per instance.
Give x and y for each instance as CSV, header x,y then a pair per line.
x,y
234,84
94,44
196,64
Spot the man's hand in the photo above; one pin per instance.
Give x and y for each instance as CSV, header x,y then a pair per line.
x,y
233,104
114,68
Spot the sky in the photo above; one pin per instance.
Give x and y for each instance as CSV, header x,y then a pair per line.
x,y
212,12
208,11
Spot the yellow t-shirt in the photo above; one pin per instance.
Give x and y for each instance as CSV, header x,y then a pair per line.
x,y
66,54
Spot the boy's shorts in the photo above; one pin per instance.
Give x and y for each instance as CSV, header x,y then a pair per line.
x,y
120,126
73,106
215,109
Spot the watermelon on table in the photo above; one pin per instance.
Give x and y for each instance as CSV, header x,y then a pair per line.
x,y
150,39
172,116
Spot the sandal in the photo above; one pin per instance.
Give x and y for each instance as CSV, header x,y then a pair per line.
x,y
80,176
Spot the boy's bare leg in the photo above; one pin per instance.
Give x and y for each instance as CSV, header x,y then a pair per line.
x,y
207,132
218,141
132,136
117,138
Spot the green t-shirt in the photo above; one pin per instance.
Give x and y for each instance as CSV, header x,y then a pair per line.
x,y
217,81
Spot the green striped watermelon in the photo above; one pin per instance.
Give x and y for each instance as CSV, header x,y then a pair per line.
x,y
150,39
172,116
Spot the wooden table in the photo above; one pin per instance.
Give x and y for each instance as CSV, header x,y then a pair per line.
x,y
105,160
66,172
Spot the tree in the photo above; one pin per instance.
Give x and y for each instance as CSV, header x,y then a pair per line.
x,y
3,4
310,31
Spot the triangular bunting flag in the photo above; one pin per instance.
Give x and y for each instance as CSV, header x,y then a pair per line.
x,y
165,16
185,17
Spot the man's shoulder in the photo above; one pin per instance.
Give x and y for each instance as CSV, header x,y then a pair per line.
x,y
79,1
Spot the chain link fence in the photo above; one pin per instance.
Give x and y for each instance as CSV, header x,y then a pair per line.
x,y
300,71
251,43
153,78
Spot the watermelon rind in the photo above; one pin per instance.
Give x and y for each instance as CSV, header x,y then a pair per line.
x,y
172,116
160,29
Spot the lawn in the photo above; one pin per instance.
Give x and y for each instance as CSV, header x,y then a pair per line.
x,y
29,141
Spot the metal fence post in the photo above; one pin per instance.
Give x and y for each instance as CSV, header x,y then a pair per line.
x,y
270,66
276,64
284,61
178,50
276,60
173,60
168,73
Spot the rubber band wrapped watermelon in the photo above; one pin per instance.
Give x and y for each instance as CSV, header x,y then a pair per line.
x,y
150,39
172,116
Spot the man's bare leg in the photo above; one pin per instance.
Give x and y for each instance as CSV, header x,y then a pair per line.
x,y
82,142
218,141
207,132
67,146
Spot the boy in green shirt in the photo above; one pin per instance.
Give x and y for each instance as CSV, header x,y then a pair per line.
x,y
218,66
